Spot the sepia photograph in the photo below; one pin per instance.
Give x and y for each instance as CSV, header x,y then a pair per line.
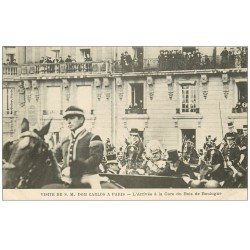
x,y
124,122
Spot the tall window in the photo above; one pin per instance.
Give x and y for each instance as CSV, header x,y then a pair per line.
x,y
137,95
8,101
242,92
188,104
53,100
84,98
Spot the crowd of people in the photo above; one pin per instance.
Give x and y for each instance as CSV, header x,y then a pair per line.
x,y
10,62
234,58
53,65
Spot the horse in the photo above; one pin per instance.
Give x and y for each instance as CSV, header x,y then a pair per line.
x,y
28,162
189,153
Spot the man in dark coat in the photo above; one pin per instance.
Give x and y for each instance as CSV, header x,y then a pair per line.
x,y
175,167
231,153
81,152
224,58
161,61
231,129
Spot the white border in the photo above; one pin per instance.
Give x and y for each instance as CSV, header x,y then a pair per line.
x,y
124,225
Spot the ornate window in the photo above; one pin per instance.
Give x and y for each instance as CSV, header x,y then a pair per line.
x,y
8,101
188,98
136,99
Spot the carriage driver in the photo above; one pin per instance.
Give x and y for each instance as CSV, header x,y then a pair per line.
x,y
81,152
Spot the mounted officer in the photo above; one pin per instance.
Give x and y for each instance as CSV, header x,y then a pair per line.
x,y
231,131
81,152
231,153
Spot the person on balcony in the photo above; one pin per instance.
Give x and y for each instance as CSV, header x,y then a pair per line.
x,y
231,58
88,59
81,152
128,62
140,61
69,66
60,60
244,57
161,60
238,58
224,58
14,62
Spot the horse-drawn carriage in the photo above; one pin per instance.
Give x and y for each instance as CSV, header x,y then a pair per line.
x,y
29,163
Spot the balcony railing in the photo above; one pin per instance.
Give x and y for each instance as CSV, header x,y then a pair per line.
x,y
191,111
11,70
135,110
95,67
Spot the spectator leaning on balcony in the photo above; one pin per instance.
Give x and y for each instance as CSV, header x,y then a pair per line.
x,y
81,152
14,62
231,58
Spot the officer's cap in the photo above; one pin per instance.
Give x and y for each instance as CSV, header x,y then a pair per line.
x,y
73,110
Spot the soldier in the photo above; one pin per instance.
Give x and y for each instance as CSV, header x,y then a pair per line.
x,y
231,153
243,147
231,130
81,152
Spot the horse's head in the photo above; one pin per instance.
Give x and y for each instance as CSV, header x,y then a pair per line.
x,y
24,159
213,157
131,154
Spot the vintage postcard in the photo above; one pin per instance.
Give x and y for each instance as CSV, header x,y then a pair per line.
x,y
125,123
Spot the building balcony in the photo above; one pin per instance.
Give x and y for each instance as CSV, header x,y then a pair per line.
x,y
109,67
135,110
189,112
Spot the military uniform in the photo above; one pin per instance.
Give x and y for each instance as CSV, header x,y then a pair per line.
x,y
82,153
236,136
244,149
232,154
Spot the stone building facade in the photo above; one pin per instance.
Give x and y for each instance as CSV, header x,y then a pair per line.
x,y
166,105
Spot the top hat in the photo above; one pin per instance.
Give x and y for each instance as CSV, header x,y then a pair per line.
x,y
73,110
173,155
230,124
244,126
134,131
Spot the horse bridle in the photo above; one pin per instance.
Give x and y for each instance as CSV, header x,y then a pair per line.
x,y
24,178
